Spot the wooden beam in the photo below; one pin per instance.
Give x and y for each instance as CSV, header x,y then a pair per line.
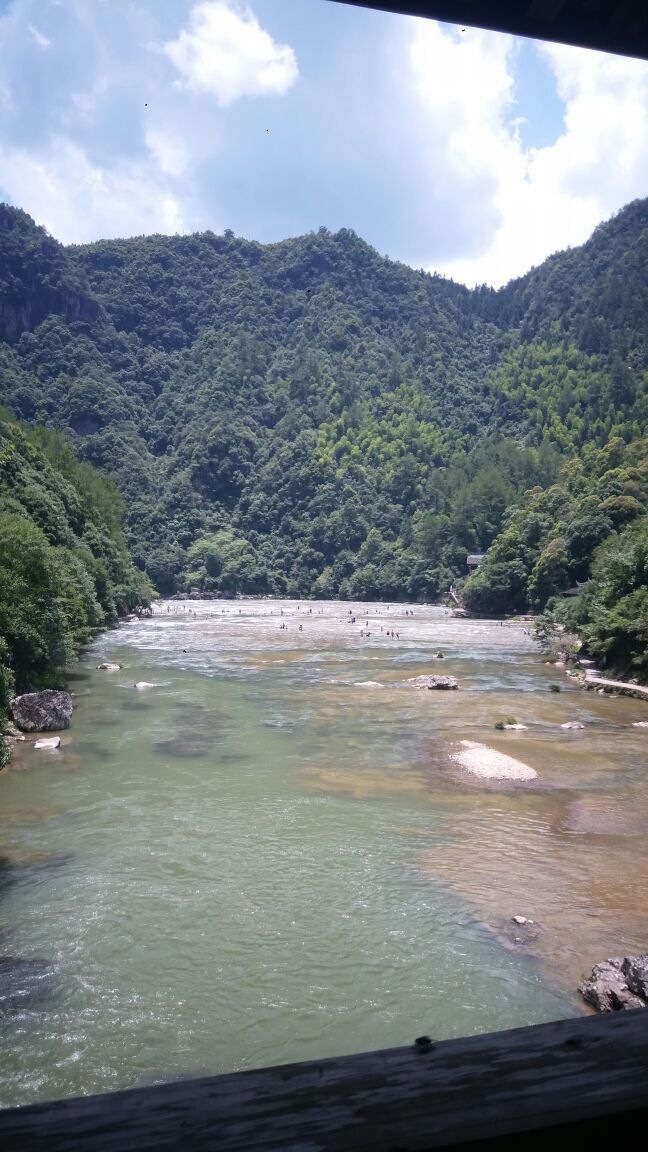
x,y
606,25
588,1075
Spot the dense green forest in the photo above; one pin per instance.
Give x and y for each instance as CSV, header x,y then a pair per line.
x,y
310,418
64,566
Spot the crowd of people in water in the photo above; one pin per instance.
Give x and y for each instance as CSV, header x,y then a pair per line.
x,y
172,609
365,630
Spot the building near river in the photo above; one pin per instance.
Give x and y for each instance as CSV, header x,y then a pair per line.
x,y
473,560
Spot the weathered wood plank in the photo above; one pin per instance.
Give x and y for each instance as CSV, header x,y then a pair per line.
x,y
401,1099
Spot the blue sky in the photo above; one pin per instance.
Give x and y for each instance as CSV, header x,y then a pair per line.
x,y
465,152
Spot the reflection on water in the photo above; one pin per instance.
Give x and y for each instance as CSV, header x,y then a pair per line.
x,y
271,856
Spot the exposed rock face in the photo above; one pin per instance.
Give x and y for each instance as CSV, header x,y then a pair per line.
x,y
618,983
441,682
42,279
11,732
635,970
46,711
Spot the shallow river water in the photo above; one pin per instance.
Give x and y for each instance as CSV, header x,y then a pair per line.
x,y
270,856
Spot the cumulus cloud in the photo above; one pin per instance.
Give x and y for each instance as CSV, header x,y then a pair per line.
x,y
77,201
225,52
533,201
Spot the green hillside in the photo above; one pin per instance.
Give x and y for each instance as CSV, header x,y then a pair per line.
x,y
64,567
311,418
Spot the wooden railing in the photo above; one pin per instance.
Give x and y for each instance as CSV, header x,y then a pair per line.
x,y
582,1079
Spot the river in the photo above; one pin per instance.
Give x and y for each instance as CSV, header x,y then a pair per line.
x,y
269,855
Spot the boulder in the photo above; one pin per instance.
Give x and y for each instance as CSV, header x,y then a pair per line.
x,y
635,970
439,682
47,711
608,990
108,667
572,724
49,742
521,920
144,684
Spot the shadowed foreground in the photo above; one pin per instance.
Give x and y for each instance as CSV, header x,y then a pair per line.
x,y
585,1076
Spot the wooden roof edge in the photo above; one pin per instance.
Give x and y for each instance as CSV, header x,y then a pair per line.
x,y
617,26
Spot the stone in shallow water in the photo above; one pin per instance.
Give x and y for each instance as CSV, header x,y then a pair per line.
x,y
438,682
635,970
136,706
187,747
51,742
608,989
46,711
489,764
107,667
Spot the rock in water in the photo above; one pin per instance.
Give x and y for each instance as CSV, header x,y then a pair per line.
x,y
440,682
491,765
11,732
108,667
635,970
515,728
49,742
608,989
145,684
47,711
572,724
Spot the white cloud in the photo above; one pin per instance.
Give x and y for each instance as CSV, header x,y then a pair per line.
x,y
225,52
41,40
168,151
77,201
541,199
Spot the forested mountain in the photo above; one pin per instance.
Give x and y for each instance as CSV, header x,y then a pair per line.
x,y
310,418
64,566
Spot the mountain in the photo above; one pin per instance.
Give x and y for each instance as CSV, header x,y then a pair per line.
x,y
310,418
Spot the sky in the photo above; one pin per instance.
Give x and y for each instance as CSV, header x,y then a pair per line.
x,y
464,152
